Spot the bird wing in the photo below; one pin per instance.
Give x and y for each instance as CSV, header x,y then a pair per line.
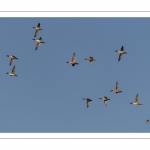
x,y
13,70
38,25
88,103
11,61
36,32
117,86
91,62
37,45
40,39
120,55
105,102
122,48
137,98
74,57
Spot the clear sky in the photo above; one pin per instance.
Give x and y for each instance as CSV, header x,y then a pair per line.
x,y
47,95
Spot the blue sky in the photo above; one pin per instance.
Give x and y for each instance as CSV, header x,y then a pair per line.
x,y
47,95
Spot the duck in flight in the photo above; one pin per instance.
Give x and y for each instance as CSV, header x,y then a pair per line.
x,y
73,62
91,60
105,100
117,89
12,73
37,29
12,58
88,100
39,41
121,52
136,101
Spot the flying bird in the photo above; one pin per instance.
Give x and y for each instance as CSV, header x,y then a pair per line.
x,y
91,60
117,89
136,101
87,101
105,99
37,29
12,58
13,72
39,41
121,52
73,62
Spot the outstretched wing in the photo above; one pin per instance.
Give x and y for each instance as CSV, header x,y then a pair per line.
x,y
105,102
11,61
74,57
117,86
38,25
37,45
88,103
122,48
13,70
137,98
40,38
91,62
36,32
120,55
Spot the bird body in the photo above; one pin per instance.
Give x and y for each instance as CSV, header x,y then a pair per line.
x,y
13,72
39,41
105,100
12,58
136,101
73,62
148,121
121,52
37,29
117,89
88,100
91,60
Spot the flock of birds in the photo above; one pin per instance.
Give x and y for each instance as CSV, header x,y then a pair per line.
x,y
73,63
116,90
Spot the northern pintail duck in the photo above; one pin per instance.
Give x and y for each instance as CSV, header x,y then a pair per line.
x,y
39,41
117,89
13,72
12,57
87,101
121,52
91,60
136,101
105,100
37,29
147,121
73,62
